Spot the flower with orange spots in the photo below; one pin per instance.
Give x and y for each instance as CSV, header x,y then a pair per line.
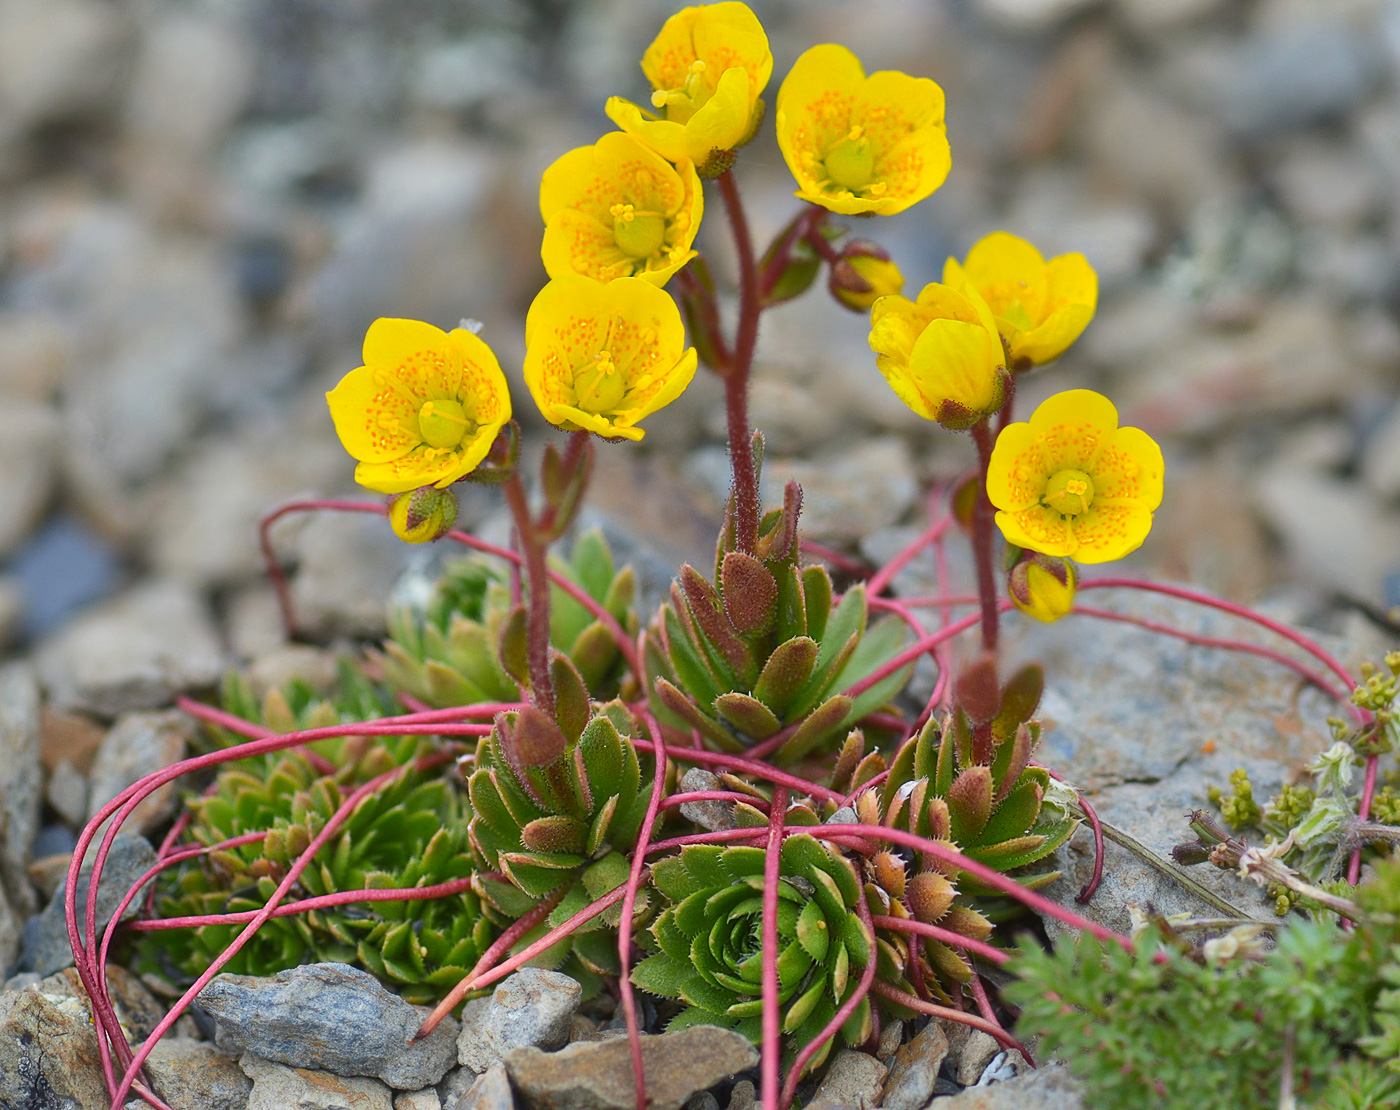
x,y
602,357
1071,482
860,144
618,209
423,410
707,68
1041,307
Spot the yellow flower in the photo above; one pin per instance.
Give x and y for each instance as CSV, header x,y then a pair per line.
x,y
1042,586
940,354
1072,483
708,67
1041,307
423,410
618,209
423,514
602,357
863,274
857,143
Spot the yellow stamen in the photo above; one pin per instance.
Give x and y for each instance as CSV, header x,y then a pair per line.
x,y
1069,492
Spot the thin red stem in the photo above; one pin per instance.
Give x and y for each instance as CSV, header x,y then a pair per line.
x,y
947,936
537,575
772,1047
903,998
982,536
853,567
885,575
736,378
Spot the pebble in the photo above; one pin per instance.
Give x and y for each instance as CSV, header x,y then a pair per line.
x,y
1380,462
329,1016
67,794
347,564
48,1051
531,1007
46,947
10,925
61,568
29,437
891,1037
277,1087
1292,76
426,1099
851,494
853,1079
914,1070
194,1075
1050,1087
138,745
11,612
1030,16
597,1075
135,652
21,775
744,1096
490,1091
972,1057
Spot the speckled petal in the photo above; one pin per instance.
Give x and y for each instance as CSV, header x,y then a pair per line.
x,y
423,466
1072,427
728,35
665,137
957,361
1110,531
417,353
483,392
1130,470
375,421
1038,529
724,120
576,243
1017,475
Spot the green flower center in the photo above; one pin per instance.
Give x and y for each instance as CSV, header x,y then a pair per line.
x,y
637,234
678,105
1069,492
444,423
599,387
851,163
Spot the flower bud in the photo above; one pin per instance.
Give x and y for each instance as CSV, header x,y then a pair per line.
x,y
1042,586
423,514
863,274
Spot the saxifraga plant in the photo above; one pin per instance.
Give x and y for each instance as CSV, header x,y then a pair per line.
x,y
410,832
760,649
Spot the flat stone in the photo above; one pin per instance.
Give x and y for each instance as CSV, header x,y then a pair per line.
x,y
135,652
49,1058
67,794
29,437
194,1075
333,1017
744,1096
46,947
531,1007
850,494
277,1087
138,745
491,1091
426,1099
597,1075
1292,76
1050,1087
21,777
975,1053
891,1037
11,925
914,1070
853,1080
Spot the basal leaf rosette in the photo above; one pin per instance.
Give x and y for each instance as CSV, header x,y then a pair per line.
x,y
424,409
968,784
618,209
1040,307
555,805
1070,482
709,941
765,647
447,653
708,68
409,833
859,144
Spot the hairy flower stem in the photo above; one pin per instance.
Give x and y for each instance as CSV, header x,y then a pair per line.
x,y
736,377
982,537
537,640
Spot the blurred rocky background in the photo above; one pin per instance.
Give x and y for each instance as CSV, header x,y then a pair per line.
x,y
203,203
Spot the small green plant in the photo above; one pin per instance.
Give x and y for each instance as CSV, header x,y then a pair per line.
x,y
1317,1018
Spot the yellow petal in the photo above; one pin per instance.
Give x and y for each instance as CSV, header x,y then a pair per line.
x,y
1108,532
1072,427
575,243
668,139
1016,475
1038,529
570,417
667,60
672,384
375,421
729,35
1130,469
647,333
1072,281
723,121
1050,340
483,392
957,361
1002,258
420,467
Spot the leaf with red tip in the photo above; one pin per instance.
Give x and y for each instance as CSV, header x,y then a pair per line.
x,y
826,719
975,690
1011,761
788,669
1015,815
716,633
1019,700
928,896
749,715
572,706
535,740
970,803
750,594
555,833
686,709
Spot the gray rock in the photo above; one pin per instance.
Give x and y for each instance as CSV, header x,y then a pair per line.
x,y
1380,463
347,564
138,745
1030,16
21,777
701,1100
1050,1087
914,1070
194,1075
29,437
1148,17
850,494
891,1037
46,947
48,1052
854,1081
67,793
531,1007
11,927
11,611
134,652
708,814
276,1087
972,1057
744,1096
329,1016
62,568
426,1099
1327,183
1292,76
597,1075
490,1091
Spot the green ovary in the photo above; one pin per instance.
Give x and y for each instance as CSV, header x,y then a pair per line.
x,y
599,386
850,163
1069,492
638,234
444,423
